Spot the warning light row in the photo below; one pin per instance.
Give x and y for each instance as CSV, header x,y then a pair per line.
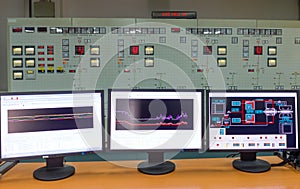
x,y
222,62
135,50
222,50
30,50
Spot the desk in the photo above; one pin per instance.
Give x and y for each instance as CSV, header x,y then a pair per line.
x,y
210,173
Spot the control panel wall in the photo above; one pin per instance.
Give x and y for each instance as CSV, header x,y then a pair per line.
x,y
99,53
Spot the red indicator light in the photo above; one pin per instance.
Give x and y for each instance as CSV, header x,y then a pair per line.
x,y
251,70
41,65
79,50
134,50
200,70
50,59
50,47
40,53
176,14
165,14
258,50
50,52
41,59
175,30
72,71
17,30
41,47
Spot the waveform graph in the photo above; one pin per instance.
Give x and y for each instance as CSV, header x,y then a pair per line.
x,y
154,114
50,119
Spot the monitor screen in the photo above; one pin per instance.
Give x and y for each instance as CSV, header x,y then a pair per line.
x,y
41,124
155,120
253,120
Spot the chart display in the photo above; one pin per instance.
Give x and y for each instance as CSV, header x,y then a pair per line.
x,y
158,119
150,114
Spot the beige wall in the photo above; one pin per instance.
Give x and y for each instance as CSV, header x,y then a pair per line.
x,y
253,9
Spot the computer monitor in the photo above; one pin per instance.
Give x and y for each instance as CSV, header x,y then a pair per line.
x,y
51,125
155,121
252,121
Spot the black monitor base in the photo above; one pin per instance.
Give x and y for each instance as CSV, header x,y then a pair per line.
x,y
54,170
249,163
156,165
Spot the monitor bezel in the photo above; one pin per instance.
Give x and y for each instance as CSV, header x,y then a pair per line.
x,y
55,155
248,150
202,122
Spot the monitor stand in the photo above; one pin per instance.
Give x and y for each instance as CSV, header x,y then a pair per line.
x,y
54,170
156,165
249,163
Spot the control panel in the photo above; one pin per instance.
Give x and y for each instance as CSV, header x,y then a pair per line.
x,y
101,53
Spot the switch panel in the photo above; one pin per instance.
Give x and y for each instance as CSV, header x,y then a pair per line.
x,y
91,53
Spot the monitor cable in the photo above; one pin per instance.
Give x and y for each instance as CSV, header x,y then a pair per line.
x,y
287,158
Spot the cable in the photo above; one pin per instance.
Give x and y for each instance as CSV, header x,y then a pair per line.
x,y
232,155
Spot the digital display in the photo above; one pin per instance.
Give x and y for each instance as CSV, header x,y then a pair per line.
x,y
175,14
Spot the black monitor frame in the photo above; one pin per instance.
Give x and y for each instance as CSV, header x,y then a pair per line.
x,y
55,168
156,164
248,161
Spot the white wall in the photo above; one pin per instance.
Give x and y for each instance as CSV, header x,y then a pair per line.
x,y
252,9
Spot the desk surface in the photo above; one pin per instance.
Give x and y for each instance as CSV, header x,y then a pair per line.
x,y
189,174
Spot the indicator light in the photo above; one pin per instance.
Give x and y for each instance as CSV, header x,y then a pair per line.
x,y
18,75
30,72
95,50
272,62
17,62
222,50
79,50
222,62
29,29
42,29
95,62
272,51
149,50
134,50
30,63
29,50
17,30
258,50
149,62
17,50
